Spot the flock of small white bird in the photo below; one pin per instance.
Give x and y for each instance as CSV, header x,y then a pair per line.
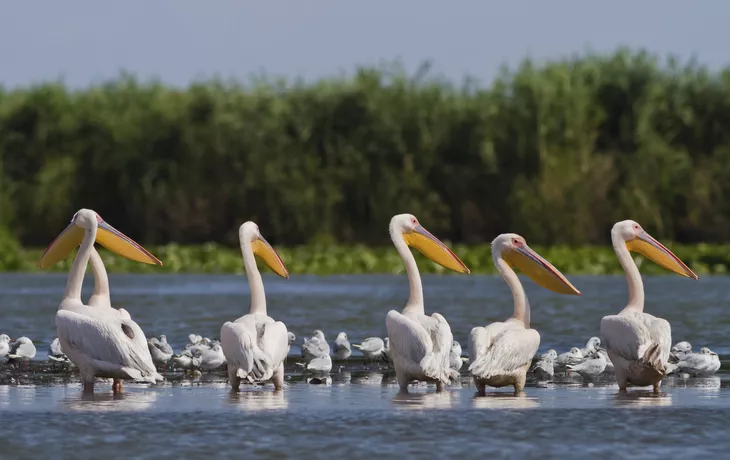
x,y
201,353
592,361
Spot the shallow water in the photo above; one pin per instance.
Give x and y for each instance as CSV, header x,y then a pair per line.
x,y
361,413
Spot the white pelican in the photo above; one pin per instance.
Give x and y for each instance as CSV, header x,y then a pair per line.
x,y
342,348
420,345
637,342
502,352
255,345
101,342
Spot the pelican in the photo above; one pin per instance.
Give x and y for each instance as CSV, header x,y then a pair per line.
x,y
255,346
502,352
420,345
638,343
101,342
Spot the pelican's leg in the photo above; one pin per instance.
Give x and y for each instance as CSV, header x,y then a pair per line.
x,y
89,386
621,378
278,378
403,380
657,386
117,386
439,386
481,387
520,383
233,379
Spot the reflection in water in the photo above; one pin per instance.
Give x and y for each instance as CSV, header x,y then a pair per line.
x,y
502,400
371,378
707,384
109,402
436,400
322,380
343,377
642,398
258,400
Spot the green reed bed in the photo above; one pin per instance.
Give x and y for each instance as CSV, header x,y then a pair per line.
x,y
557,151
338,259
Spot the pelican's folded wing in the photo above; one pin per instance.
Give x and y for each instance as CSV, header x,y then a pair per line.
x,y
625,335
409,341
275,343
510,351
112,344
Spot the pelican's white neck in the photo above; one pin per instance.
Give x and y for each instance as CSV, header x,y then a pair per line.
x,y
522,306
633,277
101,280
76,275
255,282
415,299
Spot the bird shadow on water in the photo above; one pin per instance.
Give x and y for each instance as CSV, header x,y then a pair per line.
x,y
253,400
417,400
502,400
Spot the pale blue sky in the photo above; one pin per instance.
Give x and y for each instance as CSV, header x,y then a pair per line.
x,y
86,41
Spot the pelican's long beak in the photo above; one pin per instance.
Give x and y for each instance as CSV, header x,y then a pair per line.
x,y
118,242
106,235
434,249
60,247
647,246
263,249
539,270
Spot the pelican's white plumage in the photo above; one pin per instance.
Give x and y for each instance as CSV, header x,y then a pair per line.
x,y
420,345
255,346
638,343
101,342
502,352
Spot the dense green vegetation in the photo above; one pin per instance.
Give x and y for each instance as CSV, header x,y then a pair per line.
x,y
556,152
325,260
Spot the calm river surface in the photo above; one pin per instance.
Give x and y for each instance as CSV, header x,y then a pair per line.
x,y
361,413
